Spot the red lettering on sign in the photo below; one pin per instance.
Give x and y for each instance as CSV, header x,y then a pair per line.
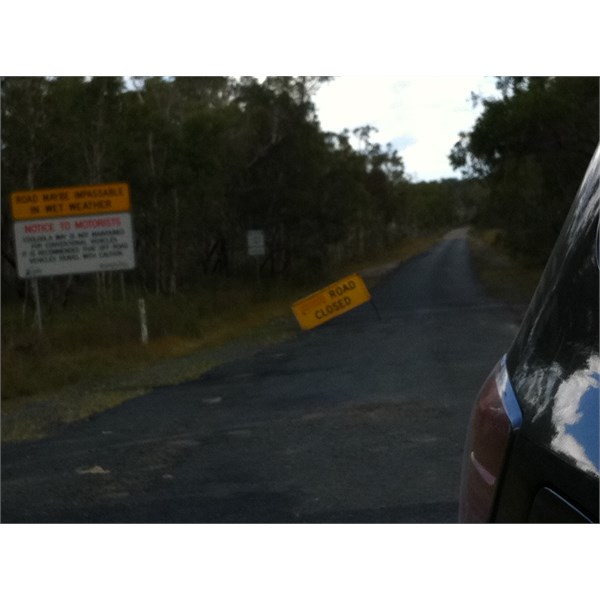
x,y
97,223
39,228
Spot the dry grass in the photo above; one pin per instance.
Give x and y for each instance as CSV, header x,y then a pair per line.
x,y
36,417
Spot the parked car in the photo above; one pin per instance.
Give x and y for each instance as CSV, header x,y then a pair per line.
x,y
532,452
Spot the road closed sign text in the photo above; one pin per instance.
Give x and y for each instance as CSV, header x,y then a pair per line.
x,y
330,302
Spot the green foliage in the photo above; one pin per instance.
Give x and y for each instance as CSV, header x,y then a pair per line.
x,y
531,147
208,158
447,203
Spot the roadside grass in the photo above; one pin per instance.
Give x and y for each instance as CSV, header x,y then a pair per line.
x,y
90,358
503,276
39,416
91,342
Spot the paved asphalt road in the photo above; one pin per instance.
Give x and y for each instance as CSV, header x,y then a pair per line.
x,y
361,420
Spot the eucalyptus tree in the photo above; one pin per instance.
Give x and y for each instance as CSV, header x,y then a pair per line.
x,y
531,146
181,142
153,120
210,161
57,132
88,114
26,148
284,186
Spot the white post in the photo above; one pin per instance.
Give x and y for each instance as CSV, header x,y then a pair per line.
x,y
143,322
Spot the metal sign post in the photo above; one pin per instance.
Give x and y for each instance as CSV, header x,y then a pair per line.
x,y
256,248
38,305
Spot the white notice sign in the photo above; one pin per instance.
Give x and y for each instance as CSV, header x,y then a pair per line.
x,y
256,242
68,245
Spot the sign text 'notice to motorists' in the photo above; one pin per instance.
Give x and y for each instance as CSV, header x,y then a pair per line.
x,y
330,302
74,245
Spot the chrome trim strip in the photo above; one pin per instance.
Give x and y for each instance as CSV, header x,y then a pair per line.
x,y
507,394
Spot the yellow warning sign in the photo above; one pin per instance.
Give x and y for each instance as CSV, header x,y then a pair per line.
x,y
330,302
70,201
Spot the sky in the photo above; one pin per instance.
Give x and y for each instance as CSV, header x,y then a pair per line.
x,y
420,116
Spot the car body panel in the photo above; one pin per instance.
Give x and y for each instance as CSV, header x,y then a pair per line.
x,y
553,461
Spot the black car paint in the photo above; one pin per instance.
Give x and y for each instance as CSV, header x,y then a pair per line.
x,y
552,470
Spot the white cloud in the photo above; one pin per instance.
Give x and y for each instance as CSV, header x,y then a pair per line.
x,y
423,116
568,412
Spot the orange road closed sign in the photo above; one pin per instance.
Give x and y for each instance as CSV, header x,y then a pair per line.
x,y
330,302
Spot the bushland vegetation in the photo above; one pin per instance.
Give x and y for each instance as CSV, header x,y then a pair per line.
x,y
207,159
529,150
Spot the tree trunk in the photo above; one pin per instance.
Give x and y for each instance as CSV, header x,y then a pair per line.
x,y
174,245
